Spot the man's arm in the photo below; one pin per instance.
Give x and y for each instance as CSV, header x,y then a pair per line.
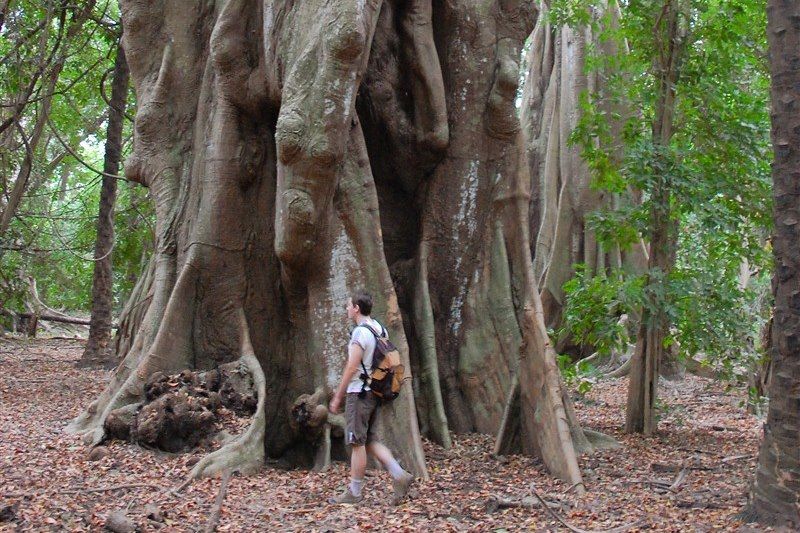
x,y
354,353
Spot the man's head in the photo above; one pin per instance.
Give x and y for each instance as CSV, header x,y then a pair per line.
x,y
360,304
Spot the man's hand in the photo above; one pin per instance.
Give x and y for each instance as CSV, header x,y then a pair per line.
x,y
335,403
354,353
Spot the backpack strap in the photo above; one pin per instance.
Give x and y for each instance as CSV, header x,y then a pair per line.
x,y
372,330
365,373
364,378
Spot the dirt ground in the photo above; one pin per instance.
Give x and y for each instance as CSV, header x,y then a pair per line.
x,y
692,476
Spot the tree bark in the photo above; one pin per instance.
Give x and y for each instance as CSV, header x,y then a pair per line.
x,y
654,326
98,346
296,151
775,495
562,194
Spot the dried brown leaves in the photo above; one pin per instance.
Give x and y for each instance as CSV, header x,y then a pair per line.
x,y
692,476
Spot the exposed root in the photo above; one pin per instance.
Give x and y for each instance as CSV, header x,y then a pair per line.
x,y
601,441
508,435
572,528
311,419
429,370
495,503
246,453
111,488
127,385
623,370
90,424
697,368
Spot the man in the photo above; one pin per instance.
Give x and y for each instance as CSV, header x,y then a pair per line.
x,y
361,407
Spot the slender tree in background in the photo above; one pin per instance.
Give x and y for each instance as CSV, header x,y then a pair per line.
x,y
670,38
775,496
98,346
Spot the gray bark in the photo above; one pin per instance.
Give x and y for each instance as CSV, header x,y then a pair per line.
x,y
296,151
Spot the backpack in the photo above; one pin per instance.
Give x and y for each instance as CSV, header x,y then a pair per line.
x,y
386,375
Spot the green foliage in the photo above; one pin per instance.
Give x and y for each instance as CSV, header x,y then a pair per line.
x,y
594,306
52,236
581,376
715,167
573,13
714,314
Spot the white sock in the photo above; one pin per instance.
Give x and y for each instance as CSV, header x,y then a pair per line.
x,y
394,468
356,485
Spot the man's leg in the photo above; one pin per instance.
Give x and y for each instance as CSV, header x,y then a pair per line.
x,y
358,467
384,455
401,480
356,414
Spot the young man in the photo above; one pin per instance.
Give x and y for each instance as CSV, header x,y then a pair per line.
x,y
361,407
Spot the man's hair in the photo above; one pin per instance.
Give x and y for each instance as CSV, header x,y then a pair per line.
x,y
363,300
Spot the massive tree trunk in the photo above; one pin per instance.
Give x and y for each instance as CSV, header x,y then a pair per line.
x,y
298,150
775,496
98,346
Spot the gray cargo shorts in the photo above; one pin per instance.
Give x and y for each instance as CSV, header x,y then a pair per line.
x,y
359,418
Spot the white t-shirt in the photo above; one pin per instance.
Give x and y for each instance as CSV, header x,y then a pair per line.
x,y
363,337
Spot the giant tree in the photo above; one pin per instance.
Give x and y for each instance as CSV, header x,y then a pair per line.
x,y
775,494
297,150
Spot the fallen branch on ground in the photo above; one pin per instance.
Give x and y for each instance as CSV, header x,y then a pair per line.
x,y
736,458
495,502
574,529
110,488
215,514
699,505
665,467
662,484
679,479
695,450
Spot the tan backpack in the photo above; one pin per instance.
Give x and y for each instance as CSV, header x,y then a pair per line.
x,y
386,375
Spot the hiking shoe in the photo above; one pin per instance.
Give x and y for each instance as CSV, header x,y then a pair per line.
x,y
345,497
401,487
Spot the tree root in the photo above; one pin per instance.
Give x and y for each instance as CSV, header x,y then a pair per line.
x,y
494,503
111,488
310,417
143,360
623,370
246,453
600,441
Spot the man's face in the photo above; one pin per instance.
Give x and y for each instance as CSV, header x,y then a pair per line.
x,y
352,310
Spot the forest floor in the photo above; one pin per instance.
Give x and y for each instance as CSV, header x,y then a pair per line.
x,y
692,476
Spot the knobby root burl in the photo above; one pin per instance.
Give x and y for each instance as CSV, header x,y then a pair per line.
x,y
246,452
311,418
